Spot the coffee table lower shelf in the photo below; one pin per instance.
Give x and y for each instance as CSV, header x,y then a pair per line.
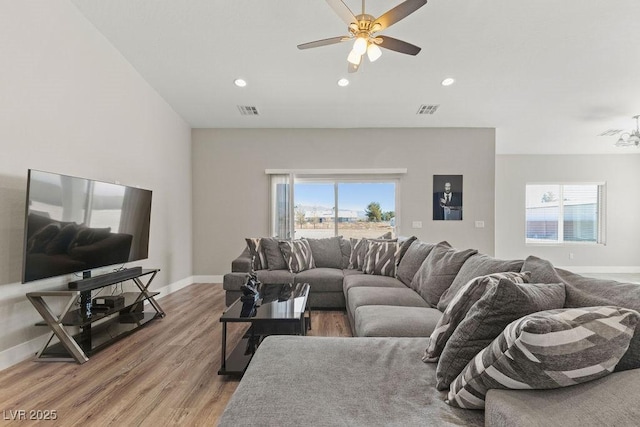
x,y
238,360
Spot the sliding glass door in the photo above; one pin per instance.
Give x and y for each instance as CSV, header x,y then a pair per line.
x,y
330,206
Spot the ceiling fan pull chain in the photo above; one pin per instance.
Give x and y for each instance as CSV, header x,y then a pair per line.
x,y
363,7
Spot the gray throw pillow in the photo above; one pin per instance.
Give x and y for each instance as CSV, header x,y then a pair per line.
x,y
298,255
381,258
587,291
438,271
413,259
457,310
542,271
403,246
547,350
326,252
476,266
273,254
257,254
345,248
487,318
358,251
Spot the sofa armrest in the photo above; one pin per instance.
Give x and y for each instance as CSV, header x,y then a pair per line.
x,y
612,400
242,264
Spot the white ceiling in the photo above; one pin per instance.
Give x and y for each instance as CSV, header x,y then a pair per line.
x,y
549,75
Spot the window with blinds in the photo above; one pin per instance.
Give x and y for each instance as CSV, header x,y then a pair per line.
x,y
565,213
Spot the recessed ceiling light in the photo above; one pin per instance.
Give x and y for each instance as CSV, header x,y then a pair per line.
x,y
448,81
343,82
240,82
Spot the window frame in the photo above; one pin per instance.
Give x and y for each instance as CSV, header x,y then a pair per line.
x,y
601,226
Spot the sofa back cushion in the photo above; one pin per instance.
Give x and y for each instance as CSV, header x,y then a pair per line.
x,y
438,271
476,266
542,271
326,252
547,350
487,318
413,259
586,291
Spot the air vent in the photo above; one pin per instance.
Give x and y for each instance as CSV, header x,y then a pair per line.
x,y
427,109
248,110
610,132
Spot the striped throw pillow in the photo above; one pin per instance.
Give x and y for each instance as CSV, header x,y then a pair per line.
x,y
380,258
298,255
457,309
257,253
546,350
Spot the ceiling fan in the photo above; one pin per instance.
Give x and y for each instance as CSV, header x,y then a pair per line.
x,y
363,27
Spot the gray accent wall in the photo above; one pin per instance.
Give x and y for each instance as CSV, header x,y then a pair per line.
x,y
620,172
230,188
69,103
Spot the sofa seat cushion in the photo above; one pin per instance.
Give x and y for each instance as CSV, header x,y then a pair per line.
x,y
322,279
341,381
370,280
608,401
365,295
275,276
395,321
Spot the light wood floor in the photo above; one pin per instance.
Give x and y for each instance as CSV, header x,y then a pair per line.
x,y
164,374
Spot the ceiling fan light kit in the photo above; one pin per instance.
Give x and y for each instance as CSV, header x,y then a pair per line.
x,y
632,138
363,27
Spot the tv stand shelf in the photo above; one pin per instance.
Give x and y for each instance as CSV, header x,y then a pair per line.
x,y
98,329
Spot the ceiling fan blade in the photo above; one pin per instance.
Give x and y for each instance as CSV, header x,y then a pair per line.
x,y
398,45
343,11
397,13
352,68
323,42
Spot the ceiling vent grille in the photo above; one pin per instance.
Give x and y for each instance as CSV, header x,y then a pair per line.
x,y
427,109
248,110
610,132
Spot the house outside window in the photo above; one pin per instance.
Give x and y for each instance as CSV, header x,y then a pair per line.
x,y
565,213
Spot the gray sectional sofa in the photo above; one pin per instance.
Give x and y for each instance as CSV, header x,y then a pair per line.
x,y
379,377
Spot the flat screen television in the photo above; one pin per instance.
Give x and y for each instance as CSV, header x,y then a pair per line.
x,y
77,224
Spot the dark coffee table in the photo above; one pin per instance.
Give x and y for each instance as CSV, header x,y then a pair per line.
x,y
280,310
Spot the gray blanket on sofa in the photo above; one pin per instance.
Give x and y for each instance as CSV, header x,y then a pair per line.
x,y
314,382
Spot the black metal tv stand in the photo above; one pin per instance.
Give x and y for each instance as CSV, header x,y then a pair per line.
x,y
97,329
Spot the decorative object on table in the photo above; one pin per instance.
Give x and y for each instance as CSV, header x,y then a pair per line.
x,y
447,197
250,290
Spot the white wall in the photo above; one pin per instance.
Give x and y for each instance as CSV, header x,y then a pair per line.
x,y
230,188
620,172
70,103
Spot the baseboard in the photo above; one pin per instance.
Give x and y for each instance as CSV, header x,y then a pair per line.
x,y
207,279
28,349
21,352
600,269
